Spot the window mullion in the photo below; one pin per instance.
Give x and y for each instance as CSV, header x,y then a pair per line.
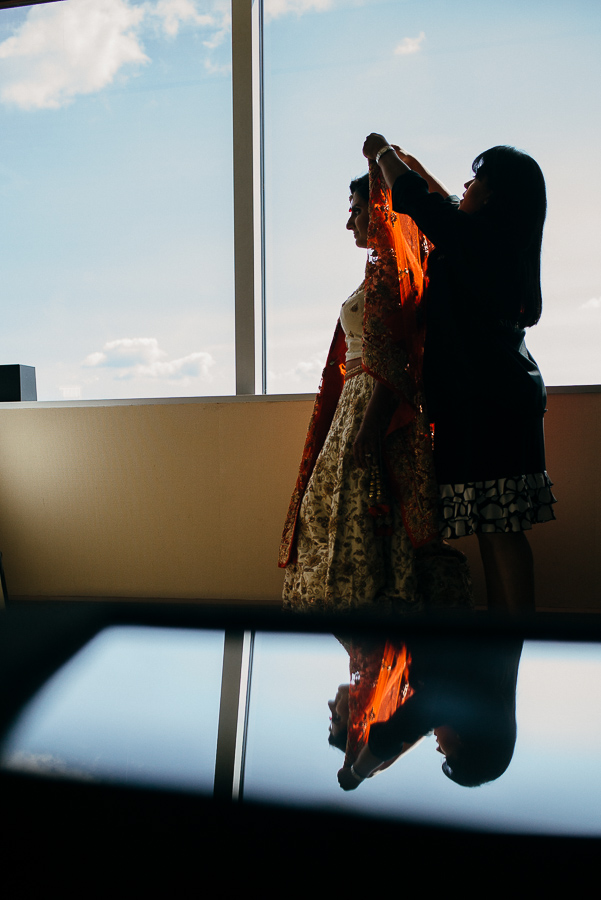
x,y
243,165
260,112
233,715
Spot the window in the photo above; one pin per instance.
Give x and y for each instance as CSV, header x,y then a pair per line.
x,y
116,181
446,81
133,268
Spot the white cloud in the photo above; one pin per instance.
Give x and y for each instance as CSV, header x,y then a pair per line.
x,y
143,358
127,352
410,45
95,359
305,375
276,8
594,303
175,13
63,50
217,68
219,36
194,365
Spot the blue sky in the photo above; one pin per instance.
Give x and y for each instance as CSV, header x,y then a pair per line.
x,y
446,80
115,174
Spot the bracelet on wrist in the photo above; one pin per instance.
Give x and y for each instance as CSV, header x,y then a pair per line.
x,y
381,152
356,775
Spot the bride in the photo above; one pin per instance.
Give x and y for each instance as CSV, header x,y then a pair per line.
x,y
362,524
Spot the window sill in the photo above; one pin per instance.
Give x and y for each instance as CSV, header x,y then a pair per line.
x,y
228,398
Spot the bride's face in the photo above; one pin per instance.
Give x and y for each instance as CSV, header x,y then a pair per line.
x,y
359,219
339,709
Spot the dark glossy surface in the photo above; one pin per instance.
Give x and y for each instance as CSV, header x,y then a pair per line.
x,y
136,705
552,784
139,705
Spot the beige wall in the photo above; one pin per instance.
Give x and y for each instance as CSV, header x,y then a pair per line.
x,y
187,499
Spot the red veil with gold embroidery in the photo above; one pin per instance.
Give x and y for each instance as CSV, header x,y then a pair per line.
x,y
379,686
393,343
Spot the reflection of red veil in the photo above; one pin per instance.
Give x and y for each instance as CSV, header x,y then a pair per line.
x,y
379,685
393,342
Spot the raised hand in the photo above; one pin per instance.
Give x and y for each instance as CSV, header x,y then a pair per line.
x,y
373,143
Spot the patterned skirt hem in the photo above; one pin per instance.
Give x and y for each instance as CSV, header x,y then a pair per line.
x,y
498,506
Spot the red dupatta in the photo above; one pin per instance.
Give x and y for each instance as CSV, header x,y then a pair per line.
x,y
393,341
379,686
393,349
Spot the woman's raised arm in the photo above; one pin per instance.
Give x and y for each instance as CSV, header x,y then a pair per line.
x,y
394,162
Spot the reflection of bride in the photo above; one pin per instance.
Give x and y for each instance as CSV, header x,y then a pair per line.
x,y
365,498
379,686
464,694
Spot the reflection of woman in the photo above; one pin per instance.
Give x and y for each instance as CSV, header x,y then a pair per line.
x,y
484,391
365,495
465,695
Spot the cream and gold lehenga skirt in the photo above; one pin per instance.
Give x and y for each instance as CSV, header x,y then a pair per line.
x,y
342,563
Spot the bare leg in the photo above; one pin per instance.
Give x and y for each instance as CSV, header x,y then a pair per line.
x,y
509,571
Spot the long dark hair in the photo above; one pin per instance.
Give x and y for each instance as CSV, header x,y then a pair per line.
x,y
485,716
517,206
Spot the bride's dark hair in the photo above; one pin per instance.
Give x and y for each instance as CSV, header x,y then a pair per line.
x,y
360,186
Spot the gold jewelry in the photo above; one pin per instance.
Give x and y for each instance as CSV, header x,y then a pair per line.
x,y
375,493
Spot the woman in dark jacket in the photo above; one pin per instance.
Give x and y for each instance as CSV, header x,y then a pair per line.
x,y
485,395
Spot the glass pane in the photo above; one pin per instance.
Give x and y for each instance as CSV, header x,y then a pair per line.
x,y
446,81
544,782
116,184
136,705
